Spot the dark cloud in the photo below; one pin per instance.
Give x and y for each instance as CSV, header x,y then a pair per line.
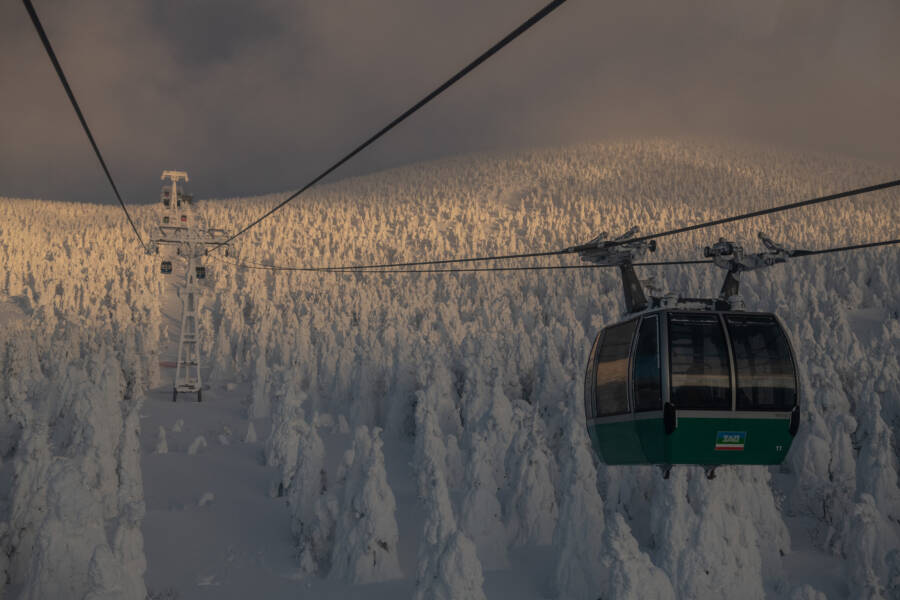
x,y
252,97
203,33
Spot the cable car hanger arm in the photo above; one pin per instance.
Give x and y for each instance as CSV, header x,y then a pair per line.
x,y
731,257
620,252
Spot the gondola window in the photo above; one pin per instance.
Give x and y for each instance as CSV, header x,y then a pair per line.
x,y
646,367
612,369
764,369
700,371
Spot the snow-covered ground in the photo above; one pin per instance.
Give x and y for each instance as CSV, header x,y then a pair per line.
x,y
384,436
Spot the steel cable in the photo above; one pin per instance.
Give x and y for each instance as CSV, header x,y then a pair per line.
x,y
537,17
794,254
62,78
575,249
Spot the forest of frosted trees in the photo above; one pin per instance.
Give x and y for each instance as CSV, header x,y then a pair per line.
x,y
477,375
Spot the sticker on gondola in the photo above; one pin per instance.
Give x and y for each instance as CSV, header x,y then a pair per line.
x,y
730,440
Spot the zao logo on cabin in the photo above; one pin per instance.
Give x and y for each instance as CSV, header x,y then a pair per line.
x,y
730,440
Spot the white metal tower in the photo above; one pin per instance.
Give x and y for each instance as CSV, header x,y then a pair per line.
x,y
191,239
175,199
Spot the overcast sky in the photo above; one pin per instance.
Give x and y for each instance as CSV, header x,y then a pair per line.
x,y
258,96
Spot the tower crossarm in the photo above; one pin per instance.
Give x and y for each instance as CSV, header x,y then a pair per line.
x,y
175,234
175,176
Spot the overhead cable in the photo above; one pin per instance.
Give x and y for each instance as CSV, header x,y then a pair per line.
x,y
795,254
575,249
246,265
62,78
765,211
802,253
538,16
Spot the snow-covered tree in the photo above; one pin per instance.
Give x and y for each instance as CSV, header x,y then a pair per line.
x,y
630,572
78,477
313,508
284,437
694,522
260,402
448,566
221,359
868,548
482,518
578,538
366,535
530,509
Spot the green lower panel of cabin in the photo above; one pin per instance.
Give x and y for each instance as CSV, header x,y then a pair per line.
x,y
695,441
618,443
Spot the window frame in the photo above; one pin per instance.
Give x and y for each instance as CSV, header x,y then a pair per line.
x,y
590,387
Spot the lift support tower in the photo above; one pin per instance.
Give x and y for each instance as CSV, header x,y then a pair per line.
x,y
181,227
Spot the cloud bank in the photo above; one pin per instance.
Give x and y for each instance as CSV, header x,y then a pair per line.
x,y
257,97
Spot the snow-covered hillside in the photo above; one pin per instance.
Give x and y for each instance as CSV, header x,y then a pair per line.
x,y
397,435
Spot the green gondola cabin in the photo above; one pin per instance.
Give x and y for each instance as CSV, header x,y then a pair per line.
x,y
690,381
674,386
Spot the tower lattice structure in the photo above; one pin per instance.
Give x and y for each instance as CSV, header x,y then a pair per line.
x,y
180,226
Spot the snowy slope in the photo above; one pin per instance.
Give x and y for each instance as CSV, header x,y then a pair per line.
x,y
419,435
